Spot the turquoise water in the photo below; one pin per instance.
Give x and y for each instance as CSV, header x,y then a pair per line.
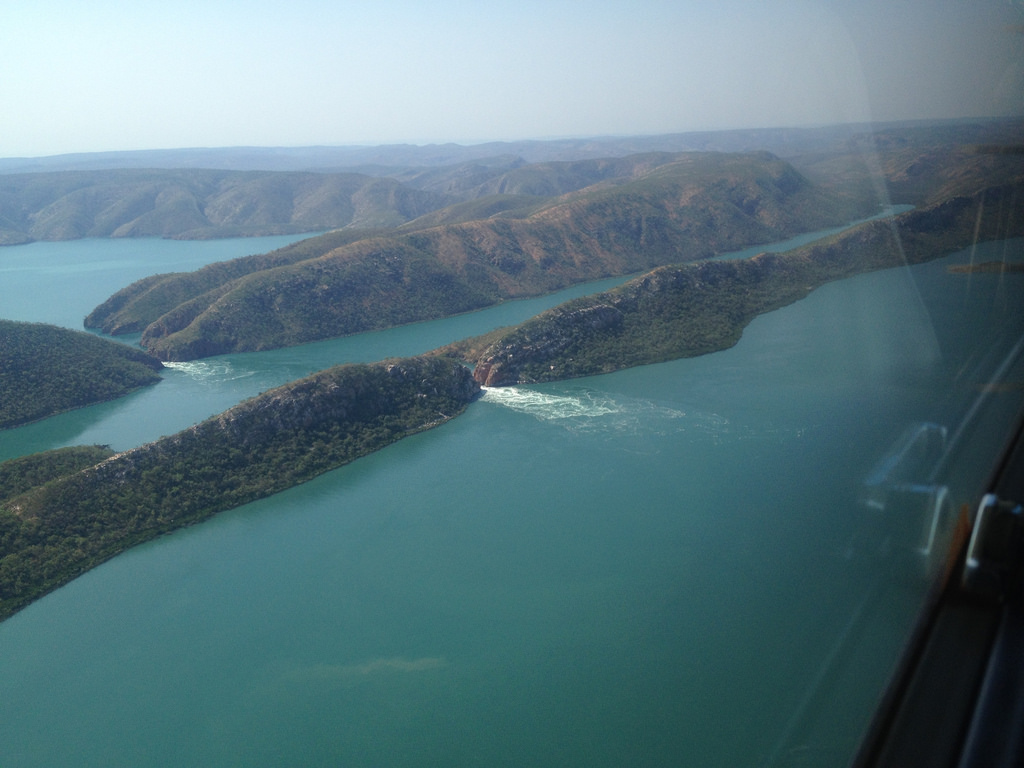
x,y
61,282
662,566
810,237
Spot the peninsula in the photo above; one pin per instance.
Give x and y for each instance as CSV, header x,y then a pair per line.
x,y
81,512
45,370
693,309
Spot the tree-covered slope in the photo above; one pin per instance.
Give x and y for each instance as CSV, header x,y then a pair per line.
x,y
27,472
695,206
45,370
132,308
688,310
51,533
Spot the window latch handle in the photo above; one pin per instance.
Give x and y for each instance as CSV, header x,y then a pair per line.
x,y
994,554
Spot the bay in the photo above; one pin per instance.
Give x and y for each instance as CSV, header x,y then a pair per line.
x,y
61,282
657,566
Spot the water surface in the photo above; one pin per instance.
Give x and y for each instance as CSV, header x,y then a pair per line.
x,y
662,566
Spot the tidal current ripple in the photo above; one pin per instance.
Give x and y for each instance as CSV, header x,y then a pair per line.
x,y
592,411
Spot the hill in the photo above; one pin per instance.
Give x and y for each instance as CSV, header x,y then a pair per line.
x,y
514,176
922,164
688,310
52,532
691,207
45,370
199,204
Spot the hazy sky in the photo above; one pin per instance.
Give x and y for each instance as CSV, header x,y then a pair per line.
x,y
133,74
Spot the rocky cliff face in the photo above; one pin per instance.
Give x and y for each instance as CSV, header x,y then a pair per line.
x,y
555,335
419,392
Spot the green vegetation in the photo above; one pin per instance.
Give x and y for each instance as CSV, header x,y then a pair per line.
x,y
668,210
46,370
389,285
131,309
52,532
23,474
689,310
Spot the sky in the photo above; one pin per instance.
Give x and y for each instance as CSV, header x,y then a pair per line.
x,y
134,74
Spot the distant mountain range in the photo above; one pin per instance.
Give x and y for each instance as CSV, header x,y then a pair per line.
x,y
391,158
230,192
